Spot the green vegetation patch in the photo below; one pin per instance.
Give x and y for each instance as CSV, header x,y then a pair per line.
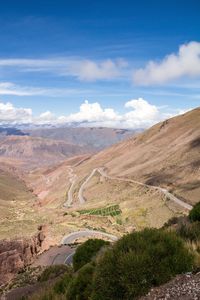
x,y
194,214
52,272
124,270
112,210
86,252
80,287
137,262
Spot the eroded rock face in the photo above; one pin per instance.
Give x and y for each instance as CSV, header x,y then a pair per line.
x,y
17,254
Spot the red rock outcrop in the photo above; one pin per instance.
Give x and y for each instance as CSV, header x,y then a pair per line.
x,y
19,253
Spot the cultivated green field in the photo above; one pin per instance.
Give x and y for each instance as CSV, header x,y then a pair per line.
x,y
112,210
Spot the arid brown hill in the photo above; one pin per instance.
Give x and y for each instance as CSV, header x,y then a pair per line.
x,y
38,150
167,154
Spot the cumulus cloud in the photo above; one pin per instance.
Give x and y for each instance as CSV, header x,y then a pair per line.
x,y
185,63
92,112
13,115
141,114
142,109
82,69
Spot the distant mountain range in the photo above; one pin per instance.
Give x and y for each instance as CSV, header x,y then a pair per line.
x,y
47,146
96,138
4,131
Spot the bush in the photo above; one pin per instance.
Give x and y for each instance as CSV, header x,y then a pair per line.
x,y
189,231
194,214
61,284
80,288
171,222
139,261
53,272
86,252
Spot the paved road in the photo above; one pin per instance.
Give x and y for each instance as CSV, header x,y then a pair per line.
x,y
70,238
55,255
102,172
80,193
69,259
176,200
167,194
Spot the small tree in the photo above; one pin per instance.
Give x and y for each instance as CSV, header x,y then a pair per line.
x,y
137,262
80,287
194,214
86,252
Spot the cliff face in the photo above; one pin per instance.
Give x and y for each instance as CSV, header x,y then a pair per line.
x,y
17,254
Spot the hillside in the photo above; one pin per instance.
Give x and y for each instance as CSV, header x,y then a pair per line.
x,y
38,151
167,155
17,216
71,195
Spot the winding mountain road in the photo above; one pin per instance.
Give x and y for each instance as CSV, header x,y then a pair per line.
x,y
72,179
101,171
80,193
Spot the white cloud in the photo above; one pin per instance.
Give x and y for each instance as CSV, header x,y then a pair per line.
x,y
13,115
142,109
45,118
88,70
173,66
82,69
92,112
141,114
9,88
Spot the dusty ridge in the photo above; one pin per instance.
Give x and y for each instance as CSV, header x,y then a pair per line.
x,y
167,155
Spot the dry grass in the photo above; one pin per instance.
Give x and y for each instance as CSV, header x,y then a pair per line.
x,y
139,205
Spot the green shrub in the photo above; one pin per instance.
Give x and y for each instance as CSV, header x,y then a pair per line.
x,y
194,214
189,231
53,272
61,284
80,288
172,221
137,262
86,252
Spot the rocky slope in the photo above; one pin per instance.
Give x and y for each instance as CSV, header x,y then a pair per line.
x,y
184,287
19,253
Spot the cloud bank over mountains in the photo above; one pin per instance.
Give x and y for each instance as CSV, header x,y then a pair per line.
x,y
141,114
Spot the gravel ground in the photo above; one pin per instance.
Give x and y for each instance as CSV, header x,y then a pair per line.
x,y
183,287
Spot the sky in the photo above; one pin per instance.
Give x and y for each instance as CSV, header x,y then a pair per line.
x,y
125,64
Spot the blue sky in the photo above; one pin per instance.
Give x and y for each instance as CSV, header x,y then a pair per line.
x,y
54,55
